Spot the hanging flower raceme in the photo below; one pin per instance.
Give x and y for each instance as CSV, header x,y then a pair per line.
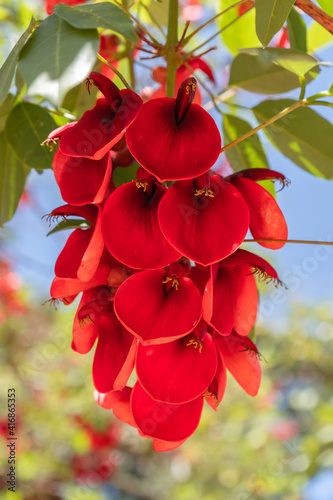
x,y
205,219
174,139
266,219
158,306
130,225
230,300
103,126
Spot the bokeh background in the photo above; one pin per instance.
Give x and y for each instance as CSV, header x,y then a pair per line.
x,y
278,445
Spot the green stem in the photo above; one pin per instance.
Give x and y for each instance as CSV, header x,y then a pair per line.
x,y
303,85
193,33
283,113
104,61
171,43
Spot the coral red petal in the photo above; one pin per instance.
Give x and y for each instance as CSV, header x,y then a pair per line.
x,y
159,445
131,230
119,402
82,181
170,151
202,228
266,219
163,421
217,388
154,316
93,253
241,359
179,371
245,301
66,287
113,347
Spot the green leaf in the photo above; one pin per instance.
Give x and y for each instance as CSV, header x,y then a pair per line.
x,y
297,31
70,224
8,68
5,107
99,15
259,74
270,17
13,174
56,58
331,89
318,37
292,60
303,136
248,153
122,175
28,125
327,6
242,33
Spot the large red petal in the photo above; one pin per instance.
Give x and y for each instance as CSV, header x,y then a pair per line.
x,y
170,151
167,422
241,359
204,229
179,371
131,230
81,180
266,219
100,128
111,369
222,318
153,316
245,301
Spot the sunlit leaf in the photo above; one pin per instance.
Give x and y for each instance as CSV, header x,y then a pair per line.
x,y
292,60
242,32
99,15
270,17
297,31
7,70
13,174
28,125
256,72
57,57
70,224
303,136
327,6
318,36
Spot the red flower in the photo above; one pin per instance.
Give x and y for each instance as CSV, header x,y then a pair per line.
x,y
205,219
179,371
231,299
82,181
241,358
103,126
174,139
81,254
164,421
266,219
158,306
130,225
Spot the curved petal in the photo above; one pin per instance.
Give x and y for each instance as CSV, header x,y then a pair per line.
x,y
119,402
142,306
160,445
167,422
100,128
85,330
266,219
66,287
179,371
170,151
224,285
131,230
241,359
82,181
245,301
202,228
114,357
218,386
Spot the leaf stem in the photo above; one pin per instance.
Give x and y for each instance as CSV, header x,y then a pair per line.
x,y
303,86
304,242
171,44
120,76
282,113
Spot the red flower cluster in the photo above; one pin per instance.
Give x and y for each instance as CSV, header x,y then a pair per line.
x,y
165,286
